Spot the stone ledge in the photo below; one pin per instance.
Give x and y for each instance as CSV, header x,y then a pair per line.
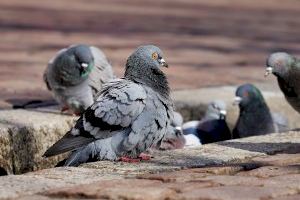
x,y
224,158
25,135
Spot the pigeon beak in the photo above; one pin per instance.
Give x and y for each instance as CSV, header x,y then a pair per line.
x,y
223,112
84,65
237,100
178,128
269,70
163,63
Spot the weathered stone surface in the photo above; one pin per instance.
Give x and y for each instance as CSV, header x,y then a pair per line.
x,y
27,135
6,155
270,171
13,186
219,171
189,187
278,159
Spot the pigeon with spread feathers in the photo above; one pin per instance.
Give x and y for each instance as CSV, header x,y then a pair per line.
x,y
213,126
255,117
287,70
75,75
128,117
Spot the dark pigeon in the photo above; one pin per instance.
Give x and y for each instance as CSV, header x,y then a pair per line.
x,y
213,127
255,117
75,75
287,70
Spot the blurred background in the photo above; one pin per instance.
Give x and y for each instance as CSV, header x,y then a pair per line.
x,y
207,43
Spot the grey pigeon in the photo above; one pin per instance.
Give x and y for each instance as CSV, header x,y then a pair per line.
x,y
213,126
281,122
174,138
76,74
255,117
129,116
287,70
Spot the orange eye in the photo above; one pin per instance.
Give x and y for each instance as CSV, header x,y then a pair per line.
x,y
155,56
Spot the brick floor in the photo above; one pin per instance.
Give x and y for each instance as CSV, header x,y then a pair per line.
x,y
205,42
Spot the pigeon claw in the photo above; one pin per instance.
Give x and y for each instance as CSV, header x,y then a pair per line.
x,y
64,109
129,160
144,156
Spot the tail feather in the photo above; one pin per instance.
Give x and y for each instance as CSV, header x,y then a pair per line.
x,y
82,155
68,143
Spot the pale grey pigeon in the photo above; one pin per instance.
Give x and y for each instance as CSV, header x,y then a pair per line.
x,y
128,117
255,117
212,127
281,122
174,138
287,70
76,74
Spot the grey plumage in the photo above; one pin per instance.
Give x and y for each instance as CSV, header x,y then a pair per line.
x,y
128,117
281,122
255,117
212,127
76,74
174,138
287,70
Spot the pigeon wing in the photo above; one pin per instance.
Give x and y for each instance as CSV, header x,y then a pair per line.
x,y
102,71
119,104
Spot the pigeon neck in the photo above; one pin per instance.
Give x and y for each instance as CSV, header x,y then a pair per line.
x,y
67,78
155,79
212,116
258,109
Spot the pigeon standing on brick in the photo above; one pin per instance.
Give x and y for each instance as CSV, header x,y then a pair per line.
x,y
213,126
255,117
128,117
75,75
287,70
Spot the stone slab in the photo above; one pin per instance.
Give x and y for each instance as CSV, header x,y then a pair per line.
x,y
25,136
226,159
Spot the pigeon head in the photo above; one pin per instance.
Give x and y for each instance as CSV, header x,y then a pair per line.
x,y
216,110
247,94
279,64
74,64
144,66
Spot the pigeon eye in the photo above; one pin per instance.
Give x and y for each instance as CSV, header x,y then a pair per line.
x,y
155,56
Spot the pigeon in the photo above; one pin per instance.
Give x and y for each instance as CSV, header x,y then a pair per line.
x,y
213,126
255,117
287,70
191,140
281,122
130,114
174,138
75,75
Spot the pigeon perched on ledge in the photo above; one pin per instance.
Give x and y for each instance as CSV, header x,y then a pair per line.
x,y
287,70
128,117
255,117
213,126
75,75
